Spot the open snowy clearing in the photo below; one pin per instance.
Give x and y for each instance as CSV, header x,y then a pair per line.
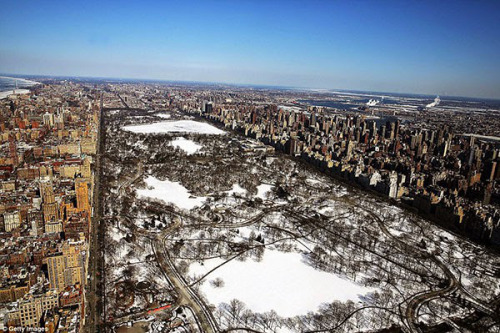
x,y
116,234
237,189
178,126
263,189
281,282
172,192
189,146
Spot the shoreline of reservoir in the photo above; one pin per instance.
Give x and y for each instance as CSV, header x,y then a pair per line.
x,y
7,84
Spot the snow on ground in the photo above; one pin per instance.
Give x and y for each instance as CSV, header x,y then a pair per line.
x,y
189,146
262,190
172,192
163,115
340,191
313,181
289,108
127,252
178,126
116,234
230,200
396,233
245,232
237,189
280,282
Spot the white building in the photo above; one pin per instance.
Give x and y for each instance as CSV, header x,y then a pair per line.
x,y
12,221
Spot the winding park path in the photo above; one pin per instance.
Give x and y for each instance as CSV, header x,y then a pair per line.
x,y
418,300
186,296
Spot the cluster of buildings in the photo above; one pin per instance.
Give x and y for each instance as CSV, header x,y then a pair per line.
x,y
48,142
440,161
450,178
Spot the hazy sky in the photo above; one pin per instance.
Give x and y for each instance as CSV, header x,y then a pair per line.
x,y
435,47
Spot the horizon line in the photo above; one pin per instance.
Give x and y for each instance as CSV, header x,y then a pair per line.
x,y
326,90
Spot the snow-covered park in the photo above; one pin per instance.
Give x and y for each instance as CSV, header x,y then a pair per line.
x,y
272,246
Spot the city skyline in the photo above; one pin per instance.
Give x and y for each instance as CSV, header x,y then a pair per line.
x,y
425,48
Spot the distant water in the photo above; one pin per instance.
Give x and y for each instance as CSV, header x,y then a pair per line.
x,y
344,105
358,98
380,120
330,104
8,84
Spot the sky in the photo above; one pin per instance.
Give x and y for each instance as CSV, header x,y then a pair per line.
x,y
432,47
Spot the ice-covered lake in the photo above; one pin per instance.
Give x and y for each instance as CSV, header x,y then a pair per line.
x,y
189,146
178,126
171,192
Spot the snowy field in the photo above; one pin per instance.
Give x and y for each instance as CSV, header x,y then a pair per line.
x,y
281,282
237,189
178,126
171,192
189,146
263,190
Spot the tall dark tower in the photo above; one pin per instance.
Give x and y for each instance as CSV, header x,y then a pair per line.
x,y
13,150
